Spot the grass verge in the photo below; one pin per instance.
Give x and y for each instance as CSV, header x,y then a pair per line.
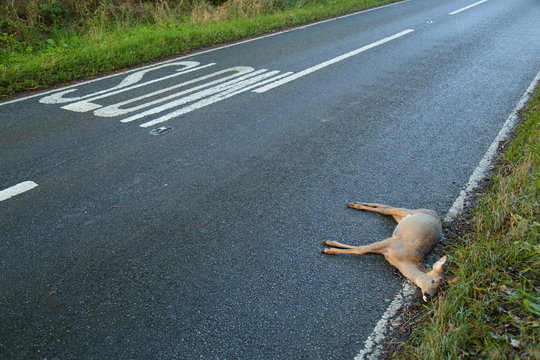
x,y
491,309
65,55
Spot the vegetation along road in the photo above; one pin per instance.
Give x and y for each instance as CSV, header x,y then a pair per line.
x,y
177,209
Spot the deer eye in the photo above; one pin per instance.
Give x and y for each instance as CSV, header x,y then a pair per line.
x,y
433,282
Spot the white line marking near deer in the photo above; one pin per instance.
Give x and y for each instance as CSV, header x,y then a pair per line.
x,y
17,189
486,163
374,344
417,232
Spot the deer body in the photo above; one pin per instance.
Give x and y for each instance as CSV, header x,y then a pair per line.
x,y
417,232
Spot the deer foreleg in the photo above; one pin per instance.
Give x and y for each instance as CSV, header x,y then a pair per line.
x,y
378,247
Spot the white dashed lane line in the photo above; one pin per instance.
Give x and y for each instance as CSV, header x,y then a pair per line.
x,y
17,189
331,61
467,7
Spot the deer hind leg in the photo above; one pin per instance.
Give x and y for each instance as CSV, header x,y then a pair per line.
x,y
397,213
378,247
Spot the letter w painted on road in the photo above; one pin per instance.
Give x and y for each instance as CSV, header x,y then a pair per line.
x,y
181,98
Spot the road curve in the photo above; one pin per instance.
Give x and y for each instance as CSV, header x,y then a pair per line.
x,y
176,211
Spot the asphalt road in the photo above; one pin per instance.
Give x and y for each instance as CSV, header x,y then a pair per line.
x,y
203,242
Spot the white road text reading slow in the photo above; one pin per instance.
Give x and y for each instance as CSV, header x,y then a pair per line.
x,y
172,101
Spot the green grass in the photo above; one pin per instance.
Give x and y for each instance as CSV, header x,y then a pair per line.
x,y
491,309
64,54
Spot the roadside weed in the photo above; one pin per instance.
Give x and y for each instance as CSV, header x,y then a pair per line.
x,y
46,42
491,309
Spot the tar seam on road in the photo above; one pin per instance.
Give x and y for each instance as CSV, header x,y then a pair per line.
x,y
375,342
17,189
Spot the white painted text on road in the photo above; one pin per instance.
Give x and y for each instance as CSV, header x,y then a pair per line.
x,y
173,100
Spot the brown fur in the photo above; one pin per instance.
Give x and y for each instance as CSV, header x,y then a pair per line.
x,y
417,232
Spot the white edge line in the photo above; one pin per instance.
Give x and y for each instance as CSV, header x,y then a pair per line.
x,y
347,15
300,27
374,343
17,189
467,7
486,163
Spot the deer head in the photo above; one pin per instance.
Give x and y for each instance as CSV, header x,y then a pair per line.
x,y
434,278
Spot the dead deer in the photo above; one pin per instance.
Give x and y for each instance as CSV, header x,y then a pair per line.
x,y
417,232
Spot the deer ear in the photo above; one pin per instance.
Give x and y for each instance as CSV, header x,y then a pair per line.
x,y
439,264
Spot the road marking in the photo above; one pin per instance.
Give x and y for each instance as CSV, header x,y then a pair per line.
x,y
347,15
115,109
226,91
331,62
486,163
130,82
17,189
188,95
243,73
300,27
467,7
374,344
